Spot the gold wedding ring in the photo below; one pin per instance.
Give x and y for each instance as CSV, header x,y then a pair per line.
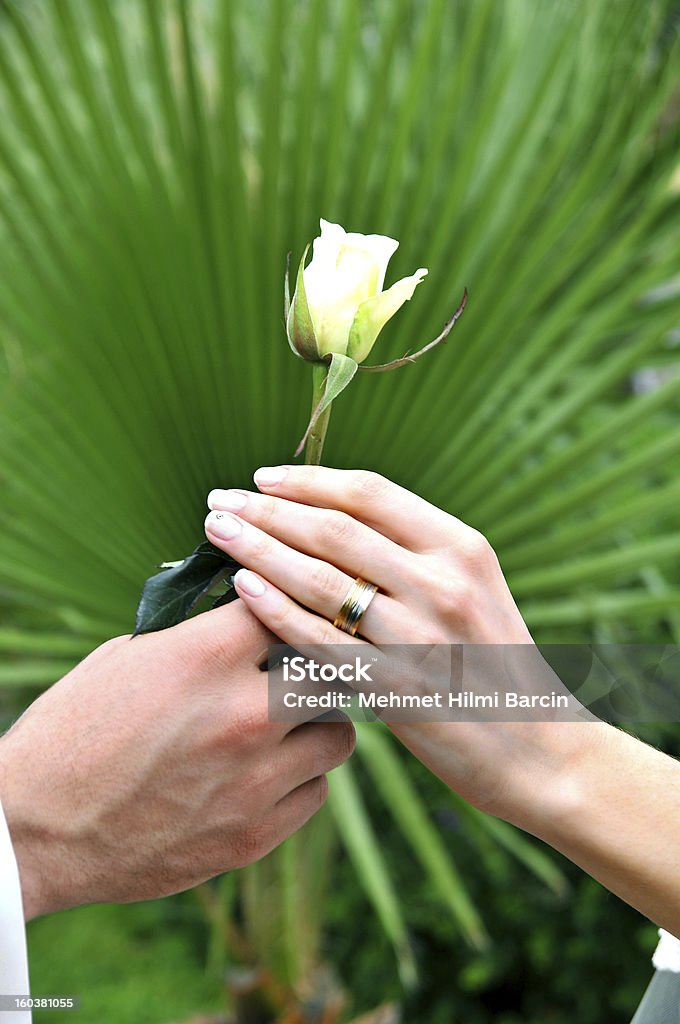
x,y
352,609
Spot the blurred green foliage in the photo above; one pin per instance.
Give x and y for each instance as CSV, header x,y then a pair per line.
x,y
140,963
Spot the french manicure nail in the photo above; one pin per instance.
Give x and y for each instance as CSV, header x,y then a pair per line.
x,y
223,525
249,583
269,476
229,501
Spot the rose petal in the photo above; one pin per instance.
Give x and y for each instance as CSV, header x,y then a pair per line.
x,y
373,314
345,270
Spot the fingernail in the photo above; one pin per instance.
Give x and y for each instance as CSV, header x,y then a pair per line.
x,y
230,501
223,525
249,583
269,476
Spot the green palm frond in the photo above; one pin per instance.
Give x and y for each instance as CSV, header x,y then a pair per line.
x,y
363,847
394,785
159,158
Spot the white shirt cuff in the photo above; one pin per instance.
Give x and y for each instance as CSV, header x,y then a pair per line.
x,y
13,955
667,955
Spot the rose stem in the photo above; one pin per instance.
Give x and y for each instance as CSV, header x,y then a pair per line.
x,y
317,434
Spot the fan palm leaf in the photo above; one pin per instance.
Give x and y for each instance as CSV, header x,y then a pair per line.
x,y
158,158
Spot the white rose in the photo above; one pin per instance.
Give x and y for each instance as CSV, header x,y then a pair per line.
x,y
341,307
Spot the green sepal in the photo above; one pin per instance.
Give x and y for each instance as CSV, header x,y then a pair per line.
x,y
412,356
299,326
340,373
286,293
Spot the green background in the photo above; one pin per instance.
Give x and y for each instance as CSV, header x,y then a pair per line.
x,y
158,159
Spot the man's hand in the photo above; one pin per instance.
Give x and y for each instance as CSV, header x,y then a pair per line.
x,y
152,766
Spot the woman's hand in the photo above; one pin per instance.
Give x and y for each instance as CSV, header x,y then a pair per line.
x,y
315,529
607,801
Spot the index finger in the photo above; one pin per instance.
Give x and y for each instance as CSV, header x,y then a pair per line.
x,y
392,510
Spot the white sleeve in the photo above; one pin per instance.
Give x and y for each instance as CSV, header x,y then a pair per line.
x,y
667,955
13,956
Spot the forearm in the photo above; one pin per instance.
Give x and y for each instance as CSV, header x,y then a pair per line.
x,y
613,808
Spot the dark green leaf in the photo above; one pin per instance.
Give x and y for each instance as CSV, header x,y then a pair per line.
x,y
172,594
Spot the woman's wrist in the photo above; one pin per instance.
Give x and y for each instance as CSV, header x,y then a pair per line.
x,y
553,791
611,804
